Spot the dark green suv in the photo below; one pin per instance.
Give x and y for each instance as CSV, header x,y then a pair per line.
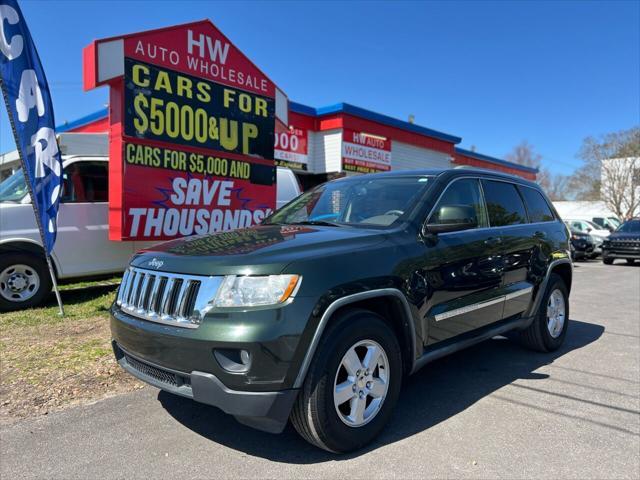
x,y
319,313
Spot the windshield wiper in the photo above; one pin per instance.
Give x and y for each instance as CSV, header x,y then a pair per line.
x,y
322,223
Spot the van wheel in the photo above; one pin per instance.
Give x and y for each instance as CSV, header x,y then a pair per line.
x,y
352,385
24,281
548,329
607,260
631,261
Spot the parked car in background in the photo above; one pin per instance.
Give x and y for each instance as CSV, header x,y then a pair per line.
x,y
582,244
319,313
597,233
608,223
623,243
82,248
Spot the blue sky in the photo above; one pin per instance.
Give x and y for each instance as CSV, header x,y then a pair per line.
x,y
494,73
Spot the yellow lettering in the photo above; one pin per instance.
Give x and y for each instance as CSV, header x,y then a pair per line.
x,y
228,134
249,132
245,103
204,92
184,87
163,82
137,71
228,97
261,106
140,122
130,152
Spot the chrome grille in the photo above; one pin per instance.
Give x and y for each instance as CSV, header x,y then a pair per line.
x,y
170,298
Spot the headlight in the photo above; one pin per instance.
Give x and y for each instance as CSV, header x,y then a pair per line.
x,y
253,291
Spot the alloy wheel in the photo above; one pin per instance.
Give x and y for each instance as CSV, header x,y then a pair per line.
x,y
361,383
556,313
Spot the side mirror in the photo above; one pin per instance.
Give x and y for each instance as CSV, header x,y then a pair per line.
x,y
589,229
452,218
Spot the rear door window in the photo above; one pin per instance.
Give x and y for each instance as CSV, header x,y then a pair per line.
x,y
537,206
504,204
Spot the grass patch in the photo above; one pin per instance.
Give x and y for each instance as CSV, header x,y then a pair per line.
x,y
49,362
80,300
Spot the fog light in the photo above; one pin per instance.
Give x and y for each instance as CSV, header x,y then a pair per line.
x,y
233,360
245,357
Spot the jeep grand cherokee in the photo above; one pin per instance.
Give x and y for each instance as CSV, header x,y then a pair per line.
x,y
318,314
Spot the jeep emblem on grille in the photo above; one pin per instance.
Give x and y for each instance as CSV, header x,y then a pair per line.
x,y
155,263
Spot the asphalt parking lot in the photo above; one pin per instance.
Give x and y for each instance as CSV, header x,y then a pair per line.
x,y
495,410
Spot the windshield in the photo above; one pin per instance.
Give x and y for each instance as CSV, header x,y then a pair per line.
x,y
13,188
593,225
632,226
355,201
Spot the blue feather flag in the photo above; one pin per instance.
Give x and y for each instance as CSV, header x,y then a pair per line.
x,y
30,109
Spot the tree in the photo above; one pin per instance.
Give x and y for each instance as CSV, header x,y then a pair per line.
x,y
614,182
524,154
554,185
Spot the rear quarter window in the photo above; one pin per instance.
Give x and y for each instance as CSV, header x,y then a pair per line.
x,y
537,206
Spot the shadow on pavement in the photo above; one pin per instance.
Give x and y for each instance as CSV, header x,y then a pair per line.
x,y
439,391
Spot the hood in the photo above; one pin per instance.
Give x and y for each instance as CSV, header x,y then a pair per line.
x,y
625,236
264,249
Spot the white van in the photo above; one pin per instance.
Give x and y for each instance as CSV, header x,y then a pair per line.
x,y
82,247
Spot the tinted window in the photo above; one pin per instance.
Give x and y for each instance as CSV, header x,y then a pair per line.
x,y
85,182
537,206
462,193
504,204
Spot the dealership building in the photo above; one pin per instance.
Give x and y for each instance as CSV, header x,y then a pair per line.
x,y
323,143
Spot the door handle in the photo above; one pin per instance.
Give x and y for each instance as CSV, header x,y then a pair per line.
x,y
492,241
540,234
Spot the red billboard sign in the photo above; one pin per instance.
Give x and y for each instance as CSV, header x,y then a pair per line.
x,y
291,147
365,153
191,134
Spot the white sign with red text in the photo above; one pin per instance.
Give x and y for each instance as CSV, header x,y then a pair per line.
x,y
365,153
291,147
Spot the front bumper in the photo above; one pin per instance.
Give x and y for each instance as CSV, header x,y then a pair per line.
x,y
187,361
267,411
621,254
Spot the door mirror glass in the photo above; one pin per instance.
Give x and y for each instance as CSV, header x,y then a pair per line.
x,y
452,218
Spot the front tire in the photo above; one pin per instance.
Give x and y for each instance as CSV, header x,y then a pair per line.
x,y
549,327
24,281
630,261
607,261
352,385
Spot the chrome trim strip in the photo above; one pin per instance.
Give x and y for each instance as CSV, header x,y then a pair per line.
x,y
382,292
469,308
518,293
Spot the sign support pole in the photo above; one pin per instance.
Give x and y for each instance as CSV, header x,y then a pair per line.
x,y
33,204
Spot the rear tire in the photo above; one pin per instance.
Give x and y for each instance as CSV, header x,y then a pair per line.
x,y
549,327
630,261
607,261
326,412
24,281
